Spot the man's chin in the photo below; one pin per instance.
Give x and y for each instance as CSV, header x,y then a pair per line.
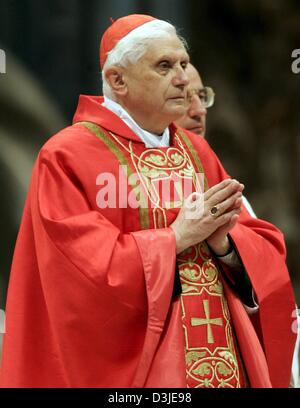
x,y
199,130
177,111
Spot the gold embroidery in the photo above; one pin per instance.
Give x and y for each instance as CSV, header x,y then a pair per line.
x,y
191,274
159,217
195,321
223,369
227,356
217,288
210,372
158,159
189,288
193,356
98,132
176,158
210,272
203,369
193,153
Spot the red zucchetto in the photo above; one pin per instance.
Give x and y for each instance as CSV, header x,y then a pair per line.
x,y
118,30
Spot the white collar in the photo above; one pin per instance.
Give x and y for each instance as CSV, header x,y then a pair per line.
x,y
150,139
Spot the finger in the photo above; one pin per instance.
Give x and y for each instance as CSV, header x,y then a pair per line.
x,y
226,217
229,225
192,200
217,188
238,203
233,221
194,206
221,190
221,195
230,203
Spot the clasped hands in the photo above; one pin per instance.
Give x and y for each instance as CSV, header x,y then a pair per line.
x,y
209,217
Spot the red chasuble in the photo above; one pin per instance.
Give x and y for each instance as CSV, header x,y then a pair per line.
x,y
90,296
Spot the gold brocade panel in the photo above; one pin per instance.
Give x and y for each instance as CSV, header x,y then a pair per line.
x,y
212,358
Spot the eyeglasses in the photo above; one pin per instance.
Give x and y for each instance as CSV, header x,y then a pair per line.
x,y
206,95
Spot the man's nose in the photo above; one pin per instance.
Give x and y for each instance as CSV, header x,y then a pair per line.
x,y
196,107
180,77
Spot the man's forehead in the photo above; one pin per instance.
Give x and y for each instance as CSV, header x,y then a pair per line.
x,y
171,47
195,81
195,84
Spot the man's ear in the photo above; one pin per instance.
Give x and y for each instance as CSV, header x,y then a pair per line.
x,y
115,78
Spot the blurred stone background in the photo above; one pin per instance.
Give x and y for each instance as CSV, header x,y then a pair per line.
x,y
242,49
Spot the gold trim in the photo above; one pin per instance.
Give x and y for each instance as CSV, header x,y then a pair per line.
x,y
197,321
194,154
98,132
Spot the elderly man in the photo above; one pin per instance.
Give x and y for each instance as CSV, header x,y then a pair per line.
x,y
115,283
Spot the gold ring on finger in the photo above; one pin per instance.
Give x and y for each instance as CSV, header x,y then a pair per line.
x,y
214,211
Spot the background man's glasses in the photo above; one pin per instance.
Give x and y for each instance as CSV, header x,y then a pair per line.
x,y
206,95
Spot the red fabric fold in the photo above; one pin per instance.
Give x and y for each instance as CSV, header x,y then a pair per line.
x,y
159,277
253,355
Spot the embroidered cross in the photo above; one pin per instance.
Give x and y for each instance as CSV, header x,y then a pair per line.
x,y
195,321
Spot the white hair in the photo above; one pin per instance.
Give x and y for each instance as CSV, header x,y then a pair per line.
x,y
134,45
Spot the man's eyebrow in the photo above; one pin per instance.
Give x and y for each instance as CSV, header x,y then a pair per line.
x,y
165,57
172,57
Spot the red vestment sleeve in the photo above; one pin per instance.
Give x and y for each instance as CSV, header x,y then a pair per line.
x,y
86,303
261,248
